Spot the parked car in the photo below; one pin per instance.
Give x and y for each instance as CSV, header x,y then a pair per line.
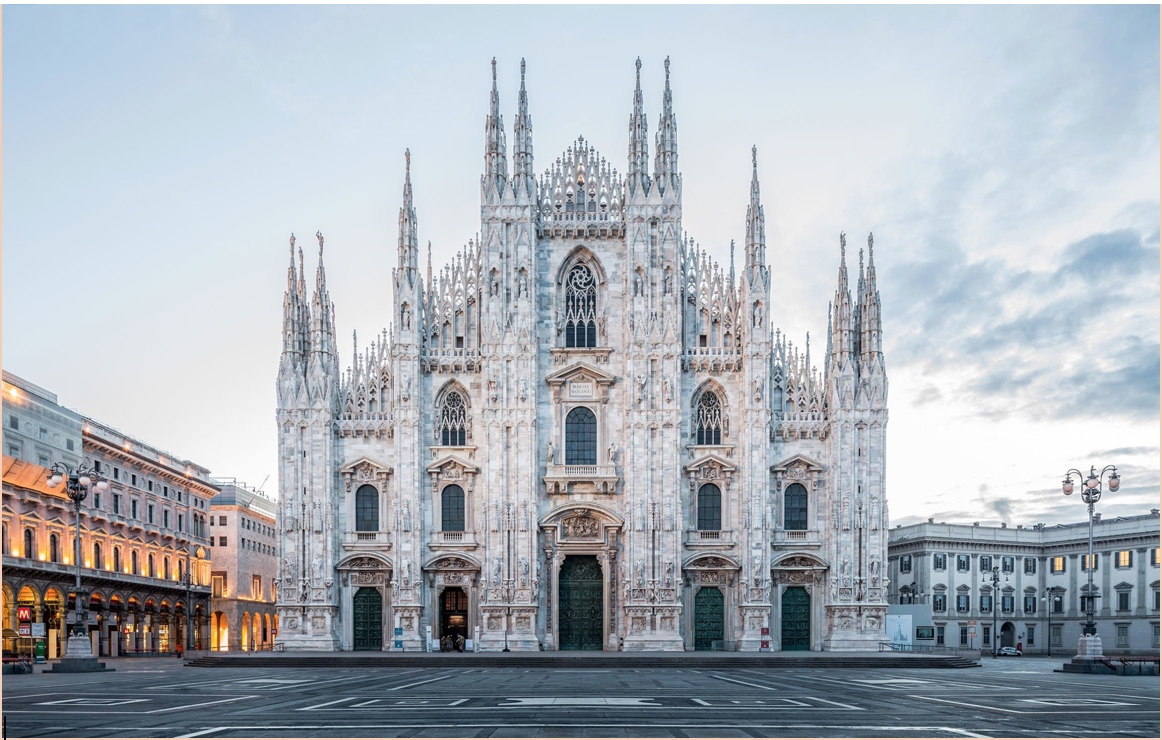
x,y
1009,651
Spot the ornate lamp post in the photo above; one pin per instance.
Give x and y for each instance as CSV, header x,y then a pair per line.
x,y
78,481
1048,601
993,577
1090,643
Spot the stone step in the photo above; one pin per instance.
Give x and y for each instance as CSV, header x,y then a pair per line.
x,y
593,660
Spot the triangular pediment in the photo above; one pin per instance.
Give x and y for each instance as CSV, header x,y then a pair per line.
x,y
797,460
580,370
366,462
31,515
1123,586
451,460
713,460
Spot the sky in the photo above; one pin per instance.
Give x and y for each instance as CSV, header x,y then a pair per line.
x,y
156,160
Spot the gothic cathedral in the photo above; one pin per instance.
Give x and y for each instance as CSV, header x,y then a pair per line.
x,y
582,434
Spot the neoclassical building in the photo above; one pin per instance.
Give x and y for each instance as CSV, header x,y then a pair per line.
x,y
582,433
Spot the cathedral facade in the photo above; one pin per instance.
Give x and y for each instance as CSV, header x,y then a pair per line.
x,y
582,433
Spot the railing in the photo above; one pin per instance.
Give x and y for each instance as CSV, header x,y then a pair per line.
x,y
451,536
710,534
894,647
368,537
579,470
797,535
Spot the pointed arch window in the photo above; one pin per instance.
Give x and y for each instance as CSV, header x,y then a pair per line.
x,y
452,509
709,419
709,508
580,308
367,509
452,424
580,437
795,507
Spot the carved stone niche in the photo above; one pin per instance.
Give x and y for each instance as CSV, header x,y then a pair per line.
x,y
365,470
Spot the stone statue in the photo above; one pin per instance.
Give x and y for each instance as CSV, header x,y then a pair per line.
x,y
523,286
496,571
641,572
834,588
524,388
758,315
613,453
641,386
406,570
757,567
552,452
524,571
669,569
304,590
637,283
406,388
669,282
405,317
758,390
667,390
318,567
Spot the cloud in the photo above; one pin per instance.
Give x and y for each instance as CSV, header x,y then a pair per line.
x,y
1126,452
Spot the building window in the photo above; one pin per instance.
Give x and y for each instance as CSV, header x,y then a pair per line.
x,y
1085,562
581,437
221,542
29,543
709,423
1031,631
1058,604
222,521
116,474
13,449
986,602
940,634
43,434
938,604
133,508
962,563
1030,566
43,461
1155,598
1006,603
54,549
1123,636
149,512
962,602
13,422
1055,635
709,508
905,563
452,509
987,639
149,561
117,559
69,445
165,568
256,587
133,562
367,509
795,507
580,308
1008,564
149,484
116,503
216,586
452,424
1125,559
1154,556
165,518
964,635
96,499
939,561
986,562
133,479
1123,601
1057,565
1030,604
180,523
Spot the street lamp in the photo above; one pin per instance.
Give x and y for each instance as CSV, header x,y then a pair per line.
x,y
1048,600
1091,494
77,481
994,577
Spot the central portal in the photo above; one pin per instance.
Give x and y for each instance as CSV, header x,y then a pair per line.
x,y
368,608
796,619
580,603
454,615
709,630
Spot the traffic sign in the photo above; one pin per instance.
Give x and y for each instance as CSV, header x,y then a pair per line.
x,y
24,629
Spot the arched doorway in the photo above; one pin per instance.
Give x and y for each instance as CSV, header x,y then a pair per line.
x,y
709,624
368,623
580,601
454,613
1007,635
796,622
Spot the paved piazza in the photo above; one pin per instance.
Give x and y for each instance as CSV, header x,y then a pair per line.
x,y
148,698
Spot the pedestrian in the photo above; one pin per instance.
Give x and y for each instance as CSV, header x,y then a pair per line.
x,y
459,643
179,651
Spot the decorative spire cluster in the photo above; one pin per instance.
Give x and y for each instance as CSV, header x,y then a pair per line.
x,y
495,156
638,180
666,146
756,239
409,253
523,177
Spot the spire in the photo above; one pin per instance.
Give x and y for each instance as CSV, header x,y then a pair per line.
x,y
408,249
841,319
732,265
666,149
638,178
495,156
756,247
522,142
870,329
291,310
322,338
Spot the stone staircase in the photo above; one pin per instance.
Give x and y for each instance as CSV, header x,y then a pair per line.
x,y
569,659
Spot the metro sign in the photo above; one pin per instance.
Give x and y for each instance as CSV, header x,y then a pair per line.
x,y
24,613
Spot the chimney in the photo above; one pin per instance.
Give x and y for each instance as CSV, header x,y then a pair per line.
x,y
931,520
1004,525
1154,512
1096,517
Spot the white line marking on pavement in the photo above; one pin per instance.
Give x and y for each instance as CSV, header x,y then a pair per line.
x,y
202,704
744,683
580,701
703,703
1019,711
207,732
417,683
845,706
320,706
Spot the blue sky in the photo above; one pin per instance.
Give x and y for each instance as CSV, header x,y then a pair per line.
x,y
1007,159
